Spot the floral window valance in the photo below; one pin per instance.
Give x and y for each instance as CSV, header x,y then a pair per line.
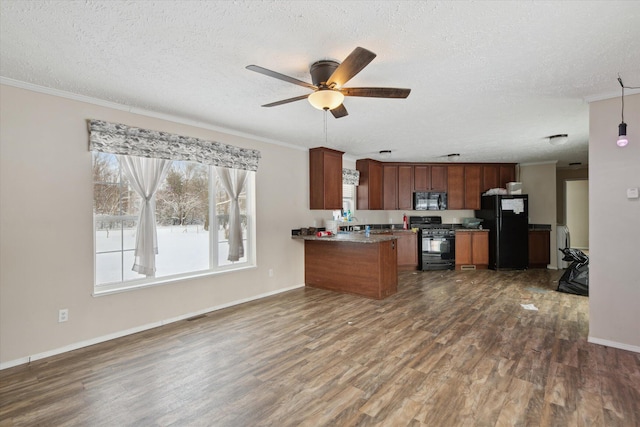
x,y
117,138
350,176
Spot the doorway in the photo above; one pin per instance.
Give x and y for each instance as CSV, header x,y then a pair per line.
x,y
577,212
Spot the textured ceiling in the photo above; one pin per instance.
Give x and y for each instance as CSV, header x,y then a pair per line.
x,y
489,80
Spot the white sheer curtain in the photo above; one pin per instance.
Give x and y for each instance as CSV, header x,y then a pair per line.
x,y
233,181
145,176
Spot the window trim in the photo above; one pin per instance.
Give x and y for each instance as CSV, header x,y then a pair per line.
x,y
250,248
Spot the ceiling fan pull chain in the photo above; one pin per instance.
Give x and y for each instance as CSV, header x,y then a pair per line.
x,y
325,127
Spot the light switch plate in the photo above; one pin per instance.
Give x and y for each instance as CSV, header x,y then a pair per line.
x,y
632,193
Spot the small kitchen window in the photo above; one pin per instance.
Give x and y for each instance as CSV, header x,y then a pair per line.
x,y
348,197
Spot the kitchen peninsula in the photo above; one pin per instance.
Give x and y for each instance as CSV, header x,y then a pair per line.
x,y
352,263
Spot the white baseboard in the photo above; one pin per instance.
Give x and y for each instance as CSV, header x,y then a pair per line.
x,y
86,343
614,344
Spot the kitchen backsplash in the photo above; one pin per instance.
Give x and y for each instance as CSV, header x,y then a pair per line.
x,y
395,217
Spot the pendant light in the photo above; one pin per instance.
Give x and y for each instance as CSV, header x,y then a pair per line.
x,y
622,127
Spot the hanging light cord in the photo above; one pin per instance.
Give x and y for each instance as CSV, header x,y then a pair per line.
x,y
628,87
622,86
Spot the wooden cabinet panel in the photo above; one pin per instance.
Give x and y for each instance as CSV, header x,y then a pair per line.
x,y
389,187
472,249
325,178
463,248
472,191
367,269
490,177
507,174
421,178
539,256
439,178
369,192
455,187
405,187
429,178
480,248
407,250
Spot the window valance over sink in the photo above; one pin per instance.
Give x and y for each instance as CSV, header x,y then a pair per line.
x,y
350,176
117,138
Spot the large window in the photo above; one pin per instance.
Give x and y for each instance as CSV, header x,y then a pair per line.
x,y
192,223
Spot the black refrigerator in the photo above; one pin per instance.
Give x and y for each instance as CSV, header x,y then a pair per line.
x,y
507,219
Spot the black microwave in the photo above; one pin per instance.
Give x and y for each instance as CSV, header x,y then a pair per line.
x,y
429,201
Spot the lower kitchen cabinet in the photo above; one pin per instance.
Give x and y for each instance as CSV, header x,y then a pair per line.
x,y
407,250
539,256
472,249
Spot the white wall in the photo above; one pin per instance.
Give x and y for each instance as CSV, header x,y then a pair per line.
x,y
614,225
46,235
539,182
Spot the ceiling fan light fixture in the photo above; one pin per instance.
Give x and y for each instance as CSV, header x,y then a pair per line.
x,y
326,99
559,139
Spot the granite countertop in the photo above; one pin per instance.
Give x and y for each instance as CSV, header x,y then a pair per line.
x,y
350,238
471,229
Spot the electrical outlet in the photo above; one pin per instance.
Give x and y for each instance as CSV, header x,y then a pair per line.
x,y
63,315
271,272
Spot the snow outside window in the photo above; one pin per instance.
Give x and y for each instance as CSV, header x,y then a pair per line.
x,y
192,220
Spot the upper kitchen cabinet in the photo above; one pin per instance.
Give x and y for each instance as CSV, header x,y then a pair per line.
x,y
472,190
325,178
463,186
369,192
389,187
405,187
507,174
397,187
455,187
497,175
429,178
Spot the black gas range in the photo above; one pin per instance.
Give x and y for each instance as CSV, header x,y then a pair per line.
x,y
436,243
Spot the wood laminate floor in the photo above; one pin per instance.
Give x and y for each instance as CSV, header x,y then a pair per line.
x,y
449,349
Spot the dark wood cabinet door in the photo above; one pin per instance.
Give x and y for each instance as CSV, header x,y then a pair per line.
x,y
369,192
539,256
507,174
439,178
325,178
421,178
407,250
405,187
375,193
389,187
463,248
472,190
455,187
490,177
480,247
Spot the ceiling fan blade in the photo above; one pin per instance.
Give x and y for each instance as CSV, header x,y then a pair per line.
x,y
279,76
286,101
352,65
376,92
339,111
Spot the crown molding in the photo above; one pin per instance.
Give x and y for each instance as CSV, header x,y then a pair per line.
x,y
148,113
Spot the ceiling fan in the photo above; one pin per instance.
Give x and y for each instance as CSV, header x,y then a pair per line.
x,y
328,78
